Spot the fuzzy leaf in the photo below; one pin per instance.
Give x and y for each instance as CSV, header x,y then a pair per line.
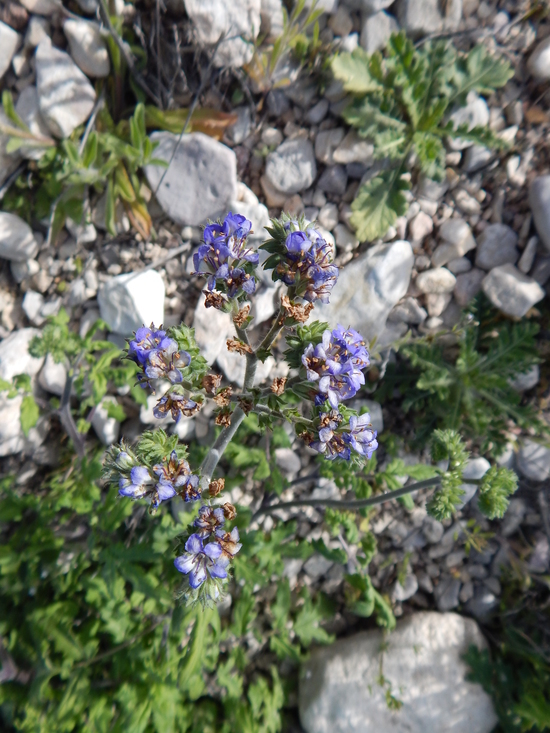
x,y
29,413
353,70
378,204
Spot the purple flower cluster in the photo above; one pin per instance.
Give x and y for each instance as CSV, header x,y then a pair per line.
x,y
307,265
336,365
162,483
157,355
203,557
225,254
336,442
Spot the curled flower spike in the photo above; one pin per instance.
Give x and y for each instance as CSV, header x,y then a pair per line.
x,y
330,443
175,477
210,521
201,560
177,405
361,435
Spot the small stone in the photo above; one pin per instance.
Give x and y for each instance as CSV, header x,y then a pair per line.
x,y
468,286
14,355
374,6
106,428
127,302
421,17
458,240
436,303
539,61
65,96
466,203
294,206
328,216
237,23
423,658
528,256
408,311
37,29
539,200
459,266
475,468
9,43
41,7
287,460
200,181
420,226
527,380
240,130
476,157
291,168
317,566
432,190
28,108
354,149
438,280
496,246
482,604
271,136
475,113
23,270
273,197
334,179
539,560
318,112
87,47
541,270
466,592
212,329
534,460
17,242
403,592
326,142
510,290
432,530
376,31
454,558
277,103
446,593
341,22
53,376
32,303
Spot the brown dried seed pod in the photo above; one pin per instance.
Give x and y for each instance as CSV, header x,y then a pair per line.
x,y
238,346
229,511
216,487
223,398
211,382
278,386
240,319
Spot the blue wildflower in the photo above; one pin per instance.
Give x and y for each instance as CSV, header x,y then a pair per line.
x,y
146,340
177,405
307,264
210,521
167,361
138,485
330,443
361,435
201,560
175,477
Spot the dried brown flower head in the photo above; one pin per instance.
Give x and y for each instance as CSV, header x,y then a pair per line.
x,y
240,319
299,312
216,487
278,386
246,406
223,398
211,382
214,300
223,418
238,346
307,437
229,511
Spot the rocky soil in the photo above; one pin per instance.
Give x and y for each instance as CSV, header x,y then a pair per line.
x,y
486,228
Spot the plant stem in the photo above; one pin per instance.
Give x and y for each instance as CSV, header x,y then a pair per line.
x,y
64,411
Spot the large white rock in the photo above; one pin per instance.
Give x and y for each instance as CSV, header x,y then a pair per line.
x,y
66,97
420,17
127,302
237,23
510,290
212,329
10,41
42,7
87,47
539,200
475,113
340,690
534,460
28,109
539,61
53,376
12,438
368,288
291,168
106,428
17,242
377,29
14,355
201,180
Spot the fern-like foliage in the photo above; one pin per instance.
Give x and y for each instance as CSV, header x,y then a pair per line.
x,y
468,387
448,445
401,101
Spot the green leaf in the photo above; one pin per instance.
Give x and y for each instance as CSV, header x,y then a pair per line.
x,y
335,554
497,485
353,70
480,71
29,413
431,154
378,204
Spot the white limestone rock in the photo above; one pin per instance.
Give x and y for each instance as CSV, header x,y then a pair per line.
x,y
457,241
10,41
65,96
475,468
14,355
106,428
420,17
369,287
422,659
17,242
475,113
534,461
53,376
539,200
12,438
496,246
237,23
539,61
87,47
28,108
212,329
127,302
510,290
42,7
291,168
201,180
377,29
438,280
